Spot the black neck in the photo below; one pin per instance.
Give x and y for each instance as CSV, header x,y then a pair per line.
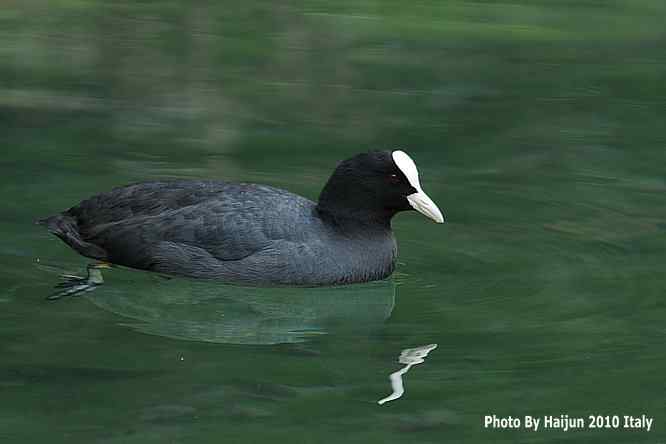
x,y
344,205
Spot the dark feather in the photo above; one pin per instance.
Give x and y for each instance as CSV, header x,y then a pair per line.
x,y
209,229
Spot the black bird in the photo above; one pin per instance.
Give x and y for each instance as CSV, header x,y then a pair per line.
x,y
247,233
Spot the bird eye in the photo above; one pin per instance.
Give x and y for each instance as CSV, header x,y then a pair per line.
x,y
393,178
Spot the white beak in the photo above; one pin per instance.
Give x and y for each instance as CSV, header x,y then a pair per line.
x,y
419,200
424,205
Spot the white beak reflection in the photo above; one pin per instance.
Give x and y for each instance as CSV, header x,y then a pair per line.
x,y
410,357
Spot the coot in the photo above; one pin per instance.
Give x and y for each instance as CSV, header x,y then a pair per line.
x,y
247,233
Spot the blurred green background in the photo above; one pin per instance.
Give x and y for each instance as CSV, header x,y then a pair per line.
x,y
537,126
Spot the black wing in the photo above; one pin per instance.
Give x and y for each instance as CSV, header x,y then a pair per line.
x,y
209,222
143,199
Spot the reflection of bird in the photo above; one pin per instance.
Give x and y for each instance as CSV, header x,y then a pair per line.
x,y
210,312
411,357
254,234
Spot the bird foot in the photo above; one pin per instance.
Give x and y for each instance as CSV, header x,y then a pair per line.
x,y
73,285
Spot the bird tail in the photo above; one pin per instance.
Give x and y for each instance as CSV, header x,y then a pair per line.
x,y
66,228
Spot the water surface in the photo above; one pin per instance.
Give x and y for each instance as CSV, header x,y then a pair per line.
x,y
537,127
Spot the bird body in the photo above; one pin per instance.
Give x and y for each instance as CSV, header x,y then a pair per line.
x,y
242,233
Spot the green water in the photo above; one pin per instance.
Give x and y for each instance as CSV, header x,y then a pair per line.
x,y
538,128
